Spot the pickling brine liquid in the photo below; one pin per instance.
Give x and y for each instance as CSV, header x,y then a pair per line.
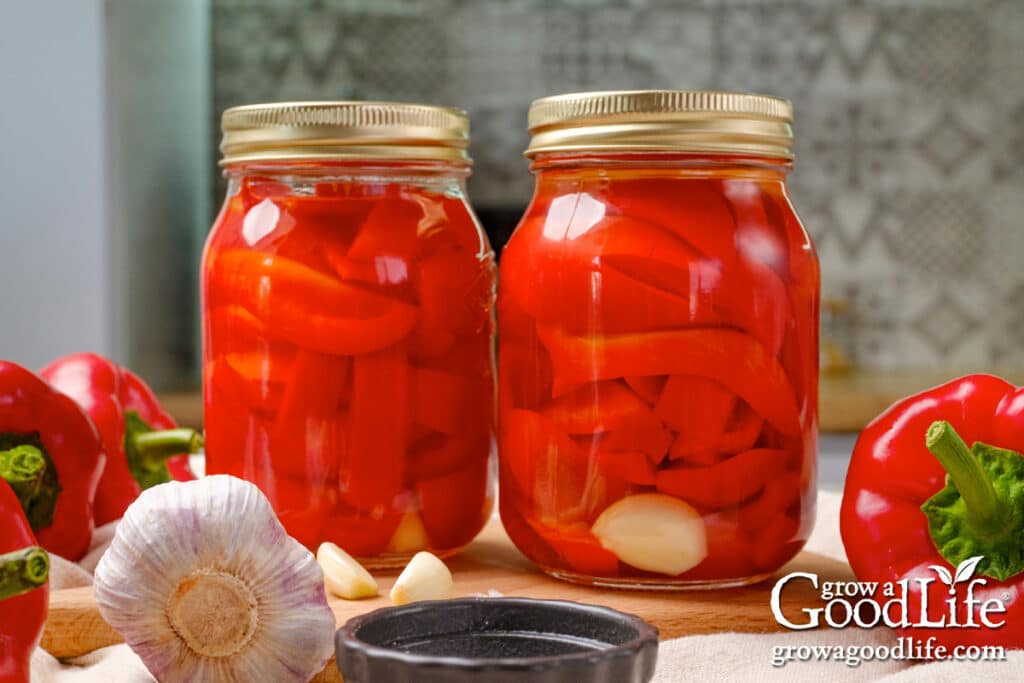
x,y
658,343
348,362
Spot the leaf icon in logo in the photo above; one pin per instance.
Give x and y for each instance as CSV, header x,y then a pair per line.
x,y
944,574
965,570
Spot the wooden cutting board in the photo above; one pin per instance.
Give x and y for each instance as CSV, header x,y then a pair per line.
x,y
491,563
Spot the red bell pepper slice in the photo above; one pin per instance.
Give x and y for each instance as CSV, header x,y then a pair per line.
x,y
315,386
526,378
24,588
698,406
143,444
579,549
382,252
733,359
778,496
597,407
36,416
447,402
437,455
455,291
548,468
730,550
648,388
634,467
646,434
302,505
776,543
725,483
744,430
451,521
363,535
757,238
306,307
693,210
645,280
374,469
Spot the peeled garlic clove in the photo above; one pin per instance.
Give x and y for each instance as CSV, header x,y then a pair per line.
x,y
410,535
344,577
204,584
425,578
653,532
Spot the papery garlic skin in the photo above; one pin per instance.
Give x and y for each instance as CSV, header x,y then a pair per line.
x,y
204,584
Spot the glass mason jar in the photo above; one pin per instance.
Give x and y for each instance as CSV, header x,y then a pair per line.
x,y
347,305
658,345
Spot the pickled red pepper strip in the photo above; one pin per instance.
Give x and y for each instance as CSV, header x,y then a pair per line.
x,y
742,434
647,279
725,483
644,433
309,308
597,407
315,386
733,359
444,401
693,210
647,388
444,514
696,405
376,452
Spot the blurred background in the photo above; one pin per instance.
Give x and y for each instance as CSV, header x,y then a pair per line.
x,y
909,130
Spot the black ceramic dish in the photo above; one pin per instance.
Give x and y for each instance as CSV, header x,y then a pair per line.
x,y
496,640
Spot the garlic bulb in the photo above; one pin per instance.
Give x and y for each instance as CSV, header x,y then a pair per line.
x,y
204,584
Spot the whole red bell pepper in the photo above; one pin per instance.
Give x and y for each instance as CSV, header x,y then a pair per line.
x,y
24,570
920,504
37,418
144,446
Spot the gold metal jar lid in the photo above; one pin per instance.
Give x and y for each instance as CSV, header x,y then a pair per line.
x,y
343,131
698,121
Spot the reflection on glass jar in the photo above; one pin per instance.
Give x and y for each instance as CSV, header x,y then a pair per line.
x,y
658,357
348,326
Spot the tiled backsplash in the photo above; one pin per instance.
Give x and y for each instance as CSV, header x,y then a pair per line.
x,y
909,124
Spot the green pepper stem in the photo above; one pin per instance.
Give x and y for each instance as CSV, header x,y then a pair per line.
x,y
23,468
984,507
155,447
23,570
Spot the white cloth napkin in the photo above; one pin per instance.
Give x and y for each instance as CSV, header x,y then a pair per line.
x,y
719,657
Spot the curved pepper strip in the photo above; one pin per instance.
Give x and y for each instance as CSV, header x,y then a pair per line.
x,y
35,415
308,308
24,588
445,515
644,279
731,358
725,483
597,407
144,447
693,210
893,474
697,448
552,471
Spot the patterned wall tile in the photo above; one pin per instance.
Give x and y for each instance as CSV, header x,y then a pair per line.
x,y
910,124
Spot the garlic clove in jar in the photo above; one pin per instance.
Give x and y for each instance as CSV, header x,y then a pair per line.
x,y
410,535
653,532
204,584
